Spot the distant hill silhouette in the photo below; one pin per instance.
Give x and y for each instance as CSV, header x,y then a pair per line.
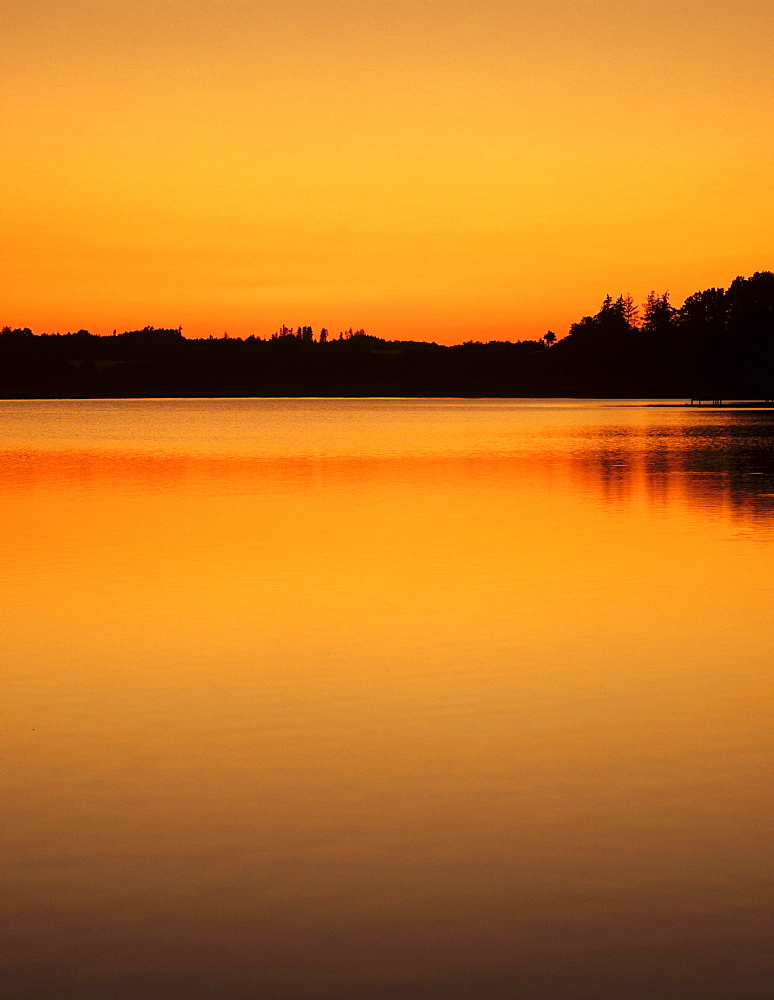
x,y
718,344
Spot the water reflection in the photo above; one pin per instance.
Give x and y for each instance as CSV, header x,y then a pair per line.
x,y
721,462
417,701
716,467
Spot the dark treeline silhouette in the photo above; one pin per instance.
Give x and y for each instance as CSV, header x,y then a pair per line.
x,y
719,344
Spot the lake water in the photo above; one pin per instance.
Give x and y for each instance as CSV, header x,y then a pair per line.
x,y
386,700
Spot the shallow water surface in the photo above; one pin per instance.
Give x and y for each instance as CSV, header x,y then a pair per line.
x,y
459,699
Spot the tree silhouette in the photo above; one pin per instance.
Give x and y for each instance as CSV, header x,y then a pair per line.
x,y
630,311
718,344
658,314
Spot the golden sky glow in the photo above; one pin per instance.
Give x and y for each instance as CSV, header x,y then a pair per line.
x,y
427,169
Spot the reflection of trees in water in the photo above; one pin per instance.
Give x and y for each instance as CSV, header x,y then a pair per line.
x,y
723,465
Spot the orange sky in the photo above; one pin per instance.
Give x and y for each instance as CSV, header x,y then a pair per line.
x,y
427,169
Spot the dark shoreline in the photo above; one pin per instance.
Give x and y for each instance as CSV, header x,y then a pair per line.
x,y
653,401
623,400
719,345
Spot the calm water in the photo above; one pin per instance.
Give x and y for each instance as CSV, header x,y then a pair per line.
x,y
386,699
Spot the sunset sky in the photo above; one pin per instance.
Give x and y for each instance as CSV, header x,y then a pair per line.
x,y
426,169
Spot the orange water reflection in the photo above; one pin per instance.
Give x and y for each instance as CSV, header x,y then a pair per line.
x,y
460,725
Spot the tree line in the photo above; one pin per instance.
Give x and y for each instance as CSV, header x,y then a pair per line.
x,y
718,344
